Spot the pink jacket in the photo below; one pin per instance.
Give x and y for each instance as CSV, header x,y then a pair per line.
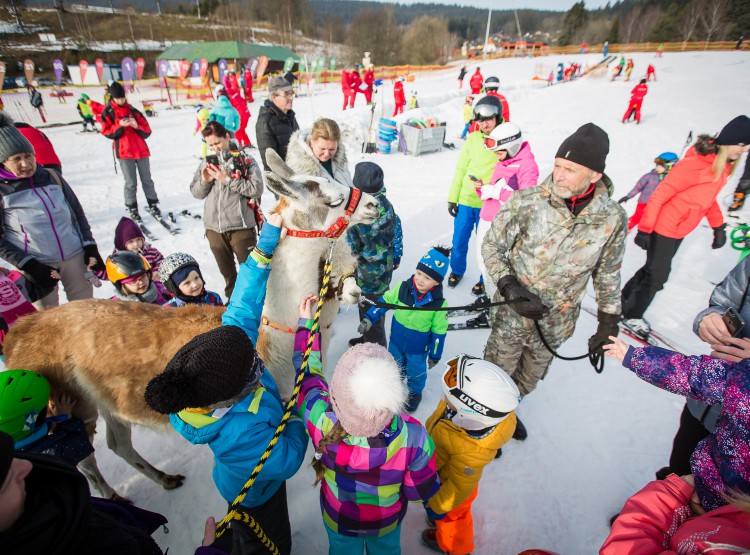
x,y
511,174
658,520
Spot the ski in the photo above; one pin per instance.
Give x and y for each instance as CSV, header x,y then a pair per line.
x,y
173,229
454,326
187,214
146,231
653,339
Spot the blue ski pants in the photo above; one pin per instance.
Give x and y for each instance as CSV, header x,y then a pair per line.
x,y
465,222
414,365
390,544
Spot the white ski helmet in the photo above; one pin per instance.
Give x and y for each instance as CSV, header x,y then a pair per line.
x,y
480,391
491,84
506,136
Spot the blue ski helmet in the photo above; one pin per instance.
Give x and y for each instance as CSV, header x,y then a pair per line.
x,y
667,159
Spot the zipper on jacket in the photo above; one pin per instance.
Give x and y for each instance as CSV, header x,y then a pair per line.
x,y
25,240
49,215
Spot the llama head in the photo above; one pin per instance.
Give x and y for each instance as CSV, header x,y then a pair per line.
x,y
313,203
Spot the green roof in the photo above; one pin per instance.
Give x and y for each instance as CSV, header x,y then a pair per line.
x,y
231,50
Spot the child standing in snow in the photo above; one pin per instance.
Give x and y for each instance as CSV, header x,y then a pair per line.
x,y
129,237
378,247
413,104
417,337
370,459
132,277
399,97
647,185
216,390
721,462
473,420
468,115
182,277
201,119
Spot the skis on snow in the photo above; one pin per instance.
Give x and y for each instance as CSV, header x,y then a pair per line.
x,y
146,231
652,339
173,229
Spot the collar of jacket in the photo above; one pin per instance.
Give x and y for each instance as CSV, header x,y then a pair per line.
x,y
601,206
273,108
300,157
407,294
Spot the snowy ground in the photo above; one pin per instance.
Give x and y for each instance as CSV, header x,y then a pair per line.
x,y
594,439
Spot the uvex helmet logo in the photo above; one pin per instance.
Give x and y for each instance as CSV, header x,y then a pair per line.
x,y
478,407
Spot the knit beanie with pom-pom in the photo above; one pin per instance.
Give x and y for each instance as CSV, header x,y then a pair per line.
x,y
12,142
367,390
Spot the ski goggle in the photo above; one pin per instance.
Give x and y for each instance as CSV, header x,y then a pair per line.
x,y
495,144
454,380
136,277
666,163
484,112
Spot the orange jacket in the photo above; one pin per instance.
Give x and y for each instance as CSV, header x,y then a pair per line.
x,y
685,196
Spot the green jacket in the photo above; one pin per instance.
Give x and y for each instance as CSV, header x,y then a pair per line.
x,y
474,160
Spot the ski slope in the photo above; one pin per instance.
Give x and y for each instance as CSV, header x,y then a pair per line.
x,y
593,439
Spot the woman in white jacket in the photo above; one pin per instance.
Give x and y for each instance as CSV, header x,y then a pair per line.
x,y
319,152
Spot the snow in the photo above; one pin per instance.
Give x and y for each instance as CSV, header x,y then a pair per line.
x,y
593,439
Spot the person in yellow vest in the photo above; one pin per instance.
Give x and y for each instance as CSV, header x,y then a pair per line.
x,y
86,113
201,119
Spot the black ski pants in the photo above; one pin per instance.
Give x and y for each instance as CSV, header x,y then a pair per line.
x,y
650,279
689,434
273,518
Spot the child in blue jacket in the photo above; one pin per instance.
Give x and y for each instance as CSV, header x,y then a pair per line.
x,y
417,336
216,391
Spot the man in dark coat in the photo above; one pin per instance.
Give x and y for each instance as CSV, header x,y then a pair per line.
x,y
276,119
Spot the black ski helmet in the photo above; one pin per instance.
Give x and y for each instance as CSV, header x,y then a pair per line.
x,y
126,264
491,84
488,107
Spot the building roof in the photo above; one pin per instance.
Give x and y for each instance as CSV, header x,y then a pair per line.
x,y
231,50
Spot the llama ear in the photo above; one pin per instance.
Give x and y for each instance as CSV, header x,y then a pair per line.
x,y
282,187
277,164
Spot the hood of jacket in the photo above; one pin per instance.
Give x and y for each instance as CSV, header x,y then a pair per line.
x,y
300,157
126,230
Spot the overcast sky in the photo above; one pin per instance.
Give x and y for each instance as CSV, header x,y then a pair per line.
x,y
558,5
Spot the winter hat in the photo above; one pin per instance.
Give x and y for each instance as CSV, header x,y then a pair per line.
x,y
435,263
367,390
219,90
212,367
116,90
278,85
126,230
181,274
12,142
171,264
6,456
368,177
588,146
736,132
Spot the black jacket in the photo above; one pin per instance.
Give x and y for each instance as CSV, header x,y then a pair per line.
x,y
273,130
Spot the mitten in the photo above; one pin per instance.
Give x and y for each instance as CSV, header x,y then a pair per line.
x,y
39,274
431,363
523,301
607,326
643,240
720,237
452,209
364,326
91,251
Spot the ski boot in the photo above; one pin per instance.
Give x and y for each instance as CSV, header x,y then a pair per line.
x,y
454,280
739,202
481,321
638,327
133,213
478,288
153,209
412,403
429,539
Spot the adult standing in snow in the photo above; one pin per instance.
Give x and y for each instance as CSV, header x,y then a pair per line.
x,y
276,119
476,82
399,97
369,80
461,75
319,152
636,100
227,189
685,196
474,162
346,88
542,248
491,87
43,229
355,81
129,129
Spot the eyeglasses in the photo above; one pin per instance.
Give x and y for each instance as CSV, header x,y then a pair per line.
x,y
287,94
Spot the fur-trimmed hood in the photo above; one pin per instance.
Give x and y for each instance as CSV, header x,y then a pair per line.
x,y
704,145
300,157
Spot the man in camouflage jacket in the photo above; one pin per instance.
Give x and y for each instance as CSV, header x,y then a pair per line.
x,y
543,246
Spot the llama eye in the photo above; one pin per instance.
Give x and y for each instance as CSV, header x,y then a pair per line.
x,y
335,203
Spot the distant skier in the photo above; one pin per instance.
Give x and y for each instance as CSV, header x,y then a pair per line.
x,y
476,82
605,50
399,98
636,99
369,80
650,71
629,69
461,75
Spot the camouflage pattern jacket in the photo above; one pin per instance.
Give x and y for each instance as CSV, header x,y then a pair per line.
x,y
536,238
378,248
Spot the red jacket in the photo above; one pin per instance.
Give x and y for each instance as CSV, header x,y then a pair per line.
x,y
504,102
658,521
355,81
476,82
346,84
129,143
369,78
638,92
686,195
43,149
398,93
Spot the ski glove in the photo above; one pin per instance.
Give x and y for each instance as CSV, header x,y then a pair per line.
x,y
607,326
431,363
643,240
452,209
720,237
523,301
40,274
364,326
623,199
91,251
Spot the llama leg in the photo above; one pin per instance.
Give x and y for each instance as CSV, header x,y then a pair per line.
x,y
119,440
90,469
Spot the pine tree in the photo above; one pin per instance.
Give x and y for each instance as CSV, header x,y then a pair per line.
x,y
575,20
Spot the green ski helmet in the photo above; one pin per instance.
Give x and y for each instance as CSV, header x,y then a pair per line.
x,y
23,402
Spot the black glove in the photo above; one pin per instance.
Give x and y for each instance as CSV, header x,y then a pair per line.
x,y
39,274
720,237
90,251
623,199
643,240
523,301
452,209
607,326
431,363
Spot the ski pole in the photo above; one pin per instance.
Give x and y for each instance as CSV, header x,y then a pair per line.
x,y
687,143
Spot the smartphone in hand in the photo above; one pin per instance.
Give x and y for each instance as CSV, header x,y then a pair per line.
x,y
733,321
474,178
212,159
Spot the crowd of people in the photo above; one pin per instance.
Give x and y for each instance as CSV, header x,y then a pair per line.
x,y
540,242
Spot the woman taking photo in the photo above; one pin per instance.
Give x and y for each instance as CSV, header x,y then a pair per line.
x,y
43,230
229,180
319,152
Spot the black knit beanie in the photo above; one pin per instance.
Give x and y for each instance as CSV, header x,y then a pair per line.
x,y
116,90
736,132
588,146
212,367
6,456
368,177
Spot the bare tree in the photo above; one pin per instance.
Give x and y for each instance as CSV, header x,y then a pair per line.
x,y
629,23
645,23
690,19
714,16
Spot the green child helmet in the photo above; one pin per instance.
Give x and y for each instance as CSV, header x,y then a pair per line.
x,y
23,402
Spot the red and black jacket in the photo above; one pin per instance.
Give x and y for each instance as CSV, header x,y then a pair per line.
x,y
129,143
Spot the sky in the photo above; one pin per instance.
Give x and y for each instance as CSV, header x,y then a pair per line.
x,y
557,5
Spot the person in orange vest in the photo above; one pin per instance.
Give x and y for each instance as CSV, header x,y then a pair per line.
x,y
346,88
636,99
476,82
369,80
399,98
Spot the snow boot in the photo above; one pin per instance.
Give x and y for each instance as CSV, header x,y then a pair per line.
x,y
413,401
429,539
454,280
520,433
478,289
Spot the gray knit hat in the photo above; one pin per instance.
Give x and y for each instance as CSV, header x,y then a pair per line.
x,y
11,140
